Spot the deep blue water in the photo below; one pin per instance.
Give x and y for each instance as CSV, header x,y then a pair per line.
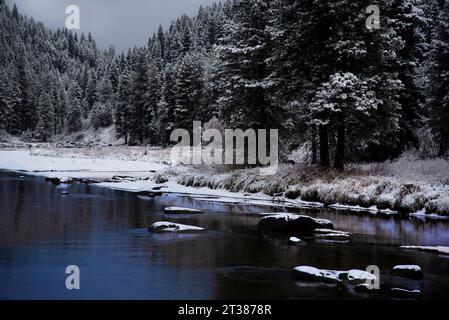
x,y
104,233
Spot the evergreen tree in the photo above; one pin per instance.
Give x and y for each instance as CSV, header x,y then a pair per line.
x,y
123,110
75,109
243,74
91,91
139,90
153,98
46,118
189,92
438,71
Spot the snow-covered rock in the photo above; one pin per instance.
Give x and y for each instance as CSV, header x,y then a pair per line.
x,y
295,240
330,234
292,224
326,231
264,214
353,276
404,293
181,210
164,226
307,273
436,249
357,208
408,271
357,276
422,215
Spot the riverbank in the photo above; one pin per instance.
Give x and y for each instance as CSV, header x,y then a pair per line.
x,y
406,186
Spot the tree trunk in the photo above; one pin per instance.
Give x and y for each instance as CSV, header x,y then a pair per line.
x,y
339,162
324,147
314,159
443,143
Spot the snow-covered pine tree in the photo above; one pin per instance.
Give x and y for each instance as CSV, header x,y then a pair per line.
x,y
243,76
122,107
102,110
138,98
345,46
438,77
46,118
153,98
174,44
189,91
90,93
165,120
74,108
407,19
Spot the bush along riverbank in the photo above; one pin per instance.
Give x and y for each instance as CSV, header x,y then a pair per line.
x,y
406,186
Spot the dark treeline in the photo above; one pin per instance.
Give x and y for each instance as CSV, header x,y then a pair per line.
x,y
311,69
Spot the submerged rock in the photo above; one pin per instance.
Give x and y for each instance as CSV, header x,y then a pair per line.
x,y
292,224
364,288
153,194
164,226
180,210
408,271
149,194
56,180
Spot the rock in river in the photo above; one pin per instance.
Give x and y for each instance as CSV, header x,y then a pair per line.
x,y
329,234
180,210
164,226
364,288
307,273
57,181
295,240
292,224
404,293
353,276
408,271
437,249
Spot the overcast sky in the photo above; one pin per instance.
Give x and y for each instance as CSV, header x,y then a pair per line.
x,y
122,23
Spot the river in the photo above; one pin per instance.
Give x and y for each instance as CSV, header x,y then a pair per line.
x,y
104,232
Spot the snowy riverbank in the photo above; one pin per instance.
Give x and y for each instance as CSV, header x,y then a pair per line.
x,y
405,186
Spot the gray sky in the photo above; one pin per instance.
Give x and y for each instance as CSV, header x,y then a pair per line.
x,y
122,23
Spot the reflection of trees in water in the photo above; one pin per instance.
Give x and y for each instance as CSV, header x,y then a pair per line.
x,y
32,209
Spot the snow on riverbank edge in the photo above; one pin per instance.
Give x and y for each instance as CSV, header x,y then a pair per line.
x,y
239,187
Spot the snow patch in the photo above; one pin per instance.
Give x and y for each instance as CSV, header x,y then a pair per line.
x,y
181,210
434,249
164,226
407,267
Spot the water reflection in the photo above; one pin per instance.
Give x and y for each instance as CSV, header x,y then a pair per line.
x,y
104,233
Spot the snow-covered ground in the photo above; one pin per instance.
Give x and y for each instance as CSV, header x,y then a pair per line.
x,y
144,174
420,188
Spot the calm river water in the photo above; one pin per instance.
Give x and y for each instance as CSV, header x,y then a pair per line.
x,y
104,232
